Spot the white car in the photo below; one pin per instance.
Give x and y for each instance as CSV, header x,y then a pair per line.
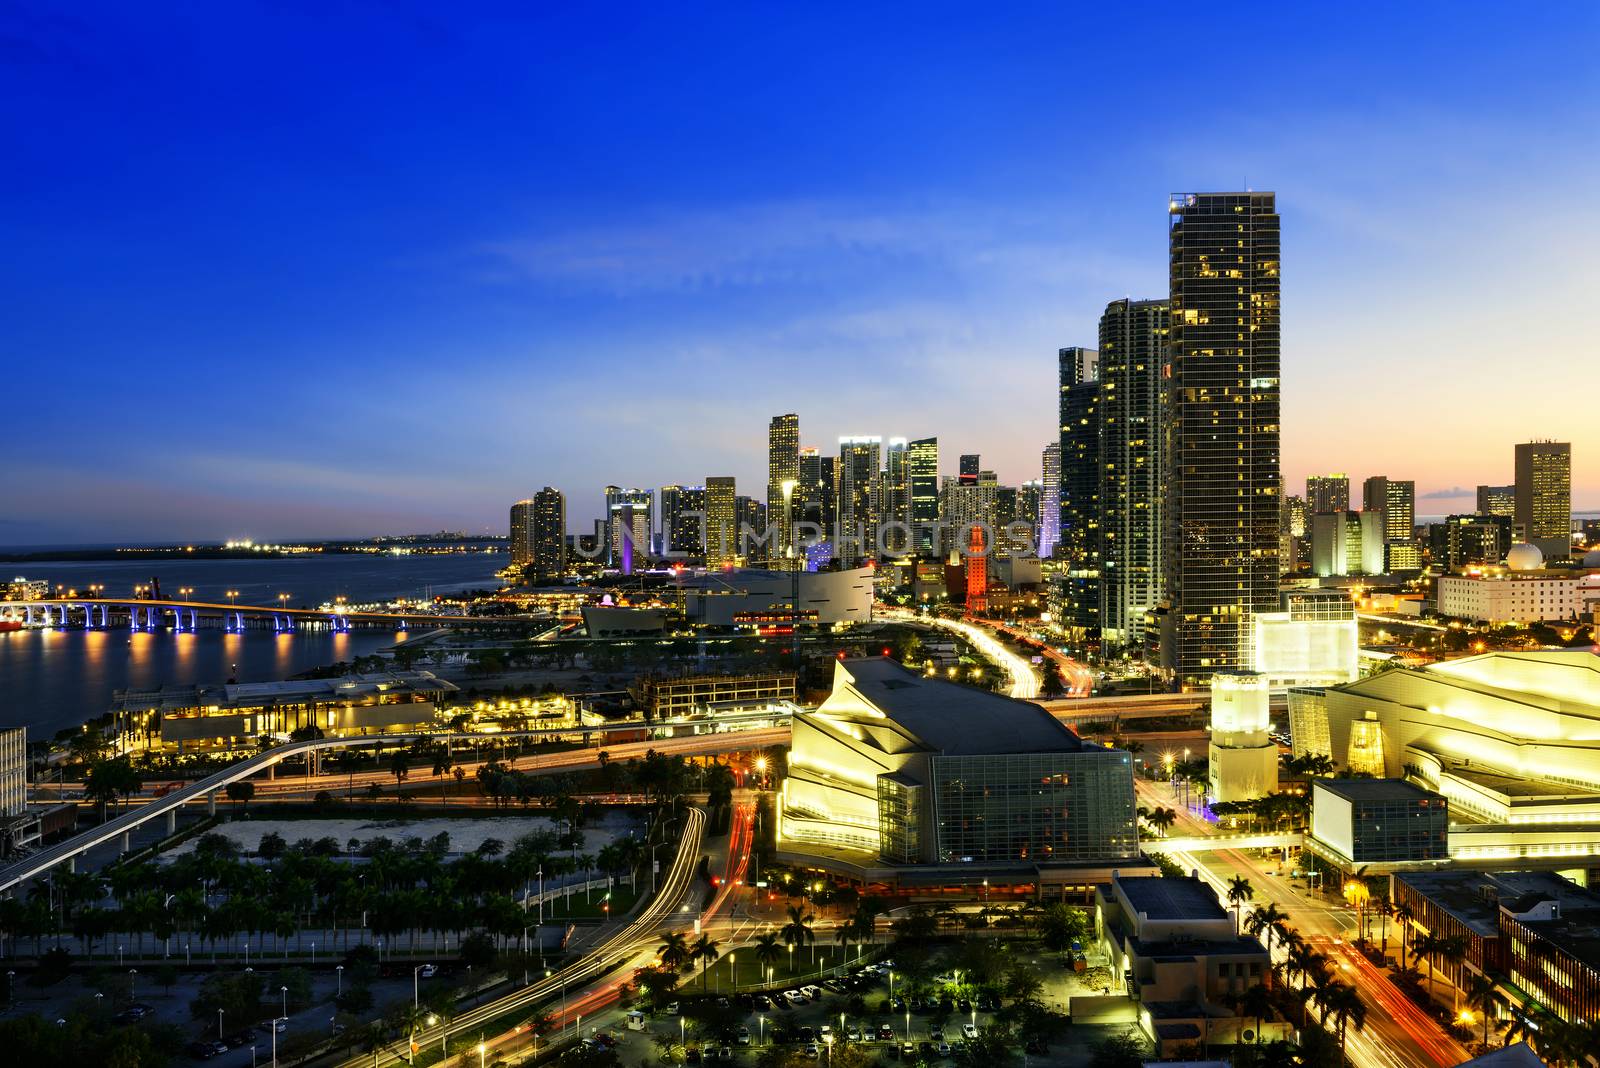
x,y
794,997
814,992
744,1036
969,1030
825,1030
428,971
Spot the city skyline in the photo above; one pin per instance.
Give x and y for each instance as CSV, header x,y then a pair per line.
x,y
511,276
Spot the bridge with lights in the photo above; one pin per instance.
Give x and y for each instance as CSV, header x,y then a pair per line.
x,y
179,615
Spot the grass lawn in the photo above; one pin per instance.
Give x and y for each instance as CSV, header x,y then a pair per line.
x,y
753,976
576,908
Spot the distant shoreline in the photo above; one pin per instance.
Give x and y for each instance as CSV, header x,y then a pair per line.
x,y
200,552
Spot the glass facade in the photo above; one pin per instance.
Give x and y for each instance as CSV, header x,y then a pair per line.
x,y
1039,808
899,820
1400,830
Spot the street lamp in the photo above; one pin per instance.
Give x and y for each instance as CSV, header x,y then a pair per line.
x,y
131,973
285,991
219,1025
338,972
481,1048
415,972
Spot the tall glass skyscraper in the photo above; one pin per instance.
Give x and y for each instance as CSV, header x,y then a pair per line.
x,y
1222,427
923,476
1050,501
549,534
783,465
522,533
859,496
1080,494
1133,346
722,532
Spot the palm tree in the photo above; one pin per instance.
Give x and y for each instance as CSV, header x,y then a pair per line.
x,y
1347,1008
1480,996
1403,915
1239,893
1256,1003
1162,819
798,932
674,951
768,949
1266,920
706,952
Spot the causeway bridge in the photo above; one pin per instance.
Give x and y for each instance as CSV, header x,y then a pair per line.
x,y
143,614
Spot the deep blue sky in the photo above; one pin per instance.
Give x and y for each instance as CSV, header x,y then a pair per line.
x,y
281,272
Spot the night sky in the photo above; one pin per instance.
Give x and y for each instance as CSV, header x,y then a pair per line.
x,y
309,269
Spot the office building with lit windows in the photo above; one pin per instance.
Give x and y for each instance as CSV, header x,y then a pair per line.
x,y
898,770
1221,512
722,530
783,469
1327,493
1542,511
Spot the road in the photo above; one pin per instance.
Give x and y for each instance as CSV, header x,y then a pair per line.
x,y
1398,1034
626,948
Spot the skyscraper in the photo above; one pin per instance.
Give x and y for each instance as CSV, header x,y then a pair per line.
x,y
1497,500
923,477
522,533
549,533
1049,508
1397,501
859,497
896,507
1222,427
783,465
722,532
1543,512
682,512
1080,494
970,463
630,524
819,490
1133,343
1327,493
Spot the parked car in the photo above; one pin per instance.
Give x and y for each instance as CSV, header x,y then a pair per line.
x,y
936,1035
969,1031
763,1003
428,971
907,1051
692,1055
744,1036
813,991
811,1050
885,1033
964,1005
943,1049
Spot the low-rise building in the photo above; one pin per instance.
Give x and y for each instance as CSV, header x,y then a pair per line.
x,y
688,695
1385,824
1177,952
239,713
1313,641
1519,597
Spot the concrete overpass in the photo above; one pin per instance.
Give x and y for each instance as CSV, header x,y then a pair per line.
x,y
138,614
121,826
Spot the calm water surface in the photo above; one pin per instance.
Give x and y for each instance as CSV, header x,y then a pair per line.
x,y
52,680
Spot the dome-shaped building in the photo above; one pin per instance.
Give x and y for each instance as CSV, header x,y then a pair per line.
x,y
1524,557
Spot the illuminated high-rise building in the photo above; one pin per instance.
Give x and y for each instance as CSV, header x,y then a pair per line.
x,y
859,497
819,490
722,530
1222,428
1049,507
1133,341
896,497
682,522
522,533
630,525
549,533
1397,501
923,478
783,466
1497,500
971,463
1079,601
1543,513
1327,493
